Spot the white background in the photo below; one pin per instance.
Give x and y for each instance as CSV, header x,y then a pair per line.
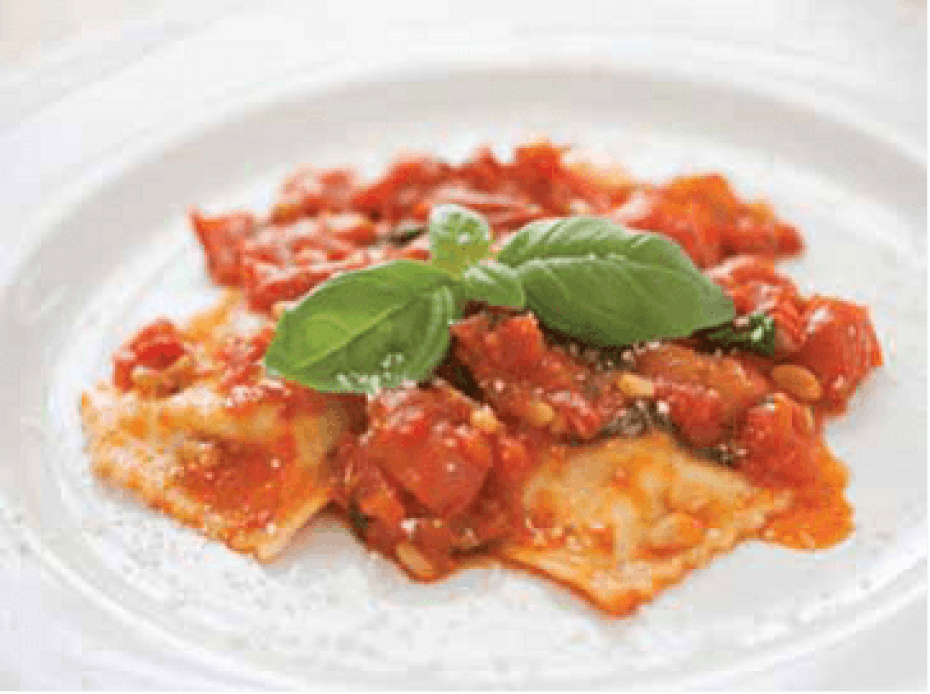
x,y
844,28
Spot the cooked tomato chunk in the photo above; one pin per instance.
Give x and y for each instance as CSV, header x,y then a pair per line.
x,y
266,284
157,346
424,441
362,486
744,269
529,380
840,346
310,191
706,218
738,384
706,394
434,471
756,286
541,173
394,196
221,238
696,411
776,441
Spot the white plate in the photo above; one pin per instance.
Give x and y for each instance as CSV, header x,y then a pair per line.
x,y
128,596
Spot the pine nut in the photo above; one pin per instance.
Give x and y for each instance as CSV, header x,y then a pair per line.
x,y
279,307
483,419
539,413
798,382
410,557
635,386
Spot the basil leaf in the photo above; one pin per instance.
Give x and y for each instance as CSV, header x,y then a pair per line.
x,y
492,283
458,238
752,333
367,330
600,283
562,238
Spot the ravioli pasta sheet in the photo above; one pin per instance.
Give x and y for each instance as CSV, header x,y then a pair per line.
x,y
250,478
620,520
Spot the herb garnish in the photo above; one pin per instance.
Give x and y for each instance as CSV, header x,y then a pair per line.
x,y
596,281
752,333
378,327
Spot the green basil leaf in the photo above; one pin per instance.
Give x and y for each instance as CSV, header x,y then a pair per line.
x,y
598,282
458,238
563,238
493,284
752,333
367,330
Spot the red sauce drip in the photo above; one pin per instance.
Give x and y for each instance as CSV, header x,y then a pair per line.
x,y
820,515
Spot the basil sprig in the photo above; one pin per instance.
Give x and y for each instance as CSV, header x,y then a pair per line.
x,y
378,327
375,328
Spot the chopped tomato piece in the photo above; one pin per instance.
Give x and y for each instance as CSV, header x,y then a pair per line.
x,y
535,383
777,442
840,346
689,225
221,237
266,284
424,441
541,173
743,269
696,411
283,244
393,196
364,486
756,286
310,191
737,383
706,218
157,346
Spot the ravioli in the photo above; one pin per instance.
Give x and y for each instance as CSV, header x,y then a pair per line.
x,y
620,520
249,474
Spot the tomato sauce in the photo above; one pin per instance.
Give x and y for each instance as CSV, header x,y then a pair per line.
x,y
157,346
326,222
249,483
437,470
